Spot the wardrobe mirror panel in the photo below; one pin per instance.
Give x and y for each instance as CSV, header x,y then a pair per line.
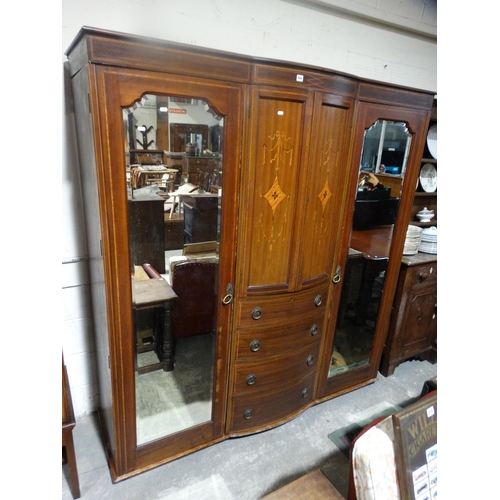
x,y
174,165
383,161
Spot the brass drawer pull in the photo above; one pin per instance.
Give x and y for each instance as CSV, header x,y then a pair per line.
x,y
248,414
318,300
314,330
305,392
251,379
309,360
257,313
254,345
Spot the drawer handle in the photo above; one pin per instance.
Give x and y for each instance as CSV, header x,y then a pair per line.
x,y
257,313
248,414
305,392
422,276
309,360
254,345
318,300
251,379
314,330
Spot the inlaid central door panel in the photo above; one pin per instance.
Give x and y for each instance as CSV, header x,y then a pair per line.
x,y
326,172
294,178
275,165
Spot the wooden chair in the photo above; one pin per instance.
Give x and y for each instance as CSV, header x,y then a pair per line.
x,y
68,423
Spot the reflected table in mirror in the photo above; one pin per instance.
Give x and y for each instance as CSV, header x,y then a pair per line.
x,y
156,294
362,288
373,243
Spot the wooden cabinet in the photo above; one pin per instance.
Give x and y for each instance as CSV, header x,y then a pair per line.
x,y
413,328
200,170
290,139
290,225
147,232
200,218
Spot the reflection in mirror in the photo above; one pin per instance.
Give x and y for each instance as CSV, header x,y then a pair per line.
x,y
173,148
384,157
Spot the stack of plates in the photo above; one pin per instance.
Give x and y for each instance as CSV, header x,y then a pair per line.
x,y
429,240
412,241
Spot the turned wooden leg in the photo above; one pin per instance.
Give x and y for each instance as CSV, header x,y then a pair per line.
x,y
168,341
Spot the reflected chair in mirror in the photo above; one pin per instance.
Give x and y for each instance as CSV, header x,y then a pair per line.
x,y
196,284
173,202
167,180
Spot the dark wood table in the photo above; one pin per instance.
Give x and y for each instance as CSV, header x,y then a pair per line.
x,y
373,243
156,293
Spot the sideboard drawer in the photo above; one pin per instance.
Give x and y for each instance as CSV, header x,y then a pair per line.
x,y
192,164
261,411
427,272
268,373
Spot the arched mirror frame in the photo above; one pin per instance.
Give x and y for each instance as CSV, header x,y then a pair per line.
x,y
416,121
118,89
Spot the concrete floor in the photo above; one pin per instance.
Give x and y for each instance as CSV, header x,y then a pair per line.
x,y
250,467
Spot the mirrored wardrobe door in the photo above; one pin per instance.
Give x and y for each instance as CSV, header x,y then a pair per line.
x,y
376,208
174,151
384,149
174,187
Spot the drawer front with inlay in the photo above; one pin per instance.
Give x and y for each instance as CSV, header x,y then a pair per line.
x,y
267,375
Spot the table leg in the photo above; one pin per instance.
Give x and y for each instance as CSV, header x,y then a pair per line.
x,y
163,337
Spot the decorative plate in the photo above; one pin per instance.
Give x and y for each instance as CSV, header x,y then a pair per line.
x,y
428,178
432,141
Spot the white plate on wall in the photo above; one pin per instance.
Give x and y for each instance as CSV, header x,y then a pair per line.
x,y
432,141
428,178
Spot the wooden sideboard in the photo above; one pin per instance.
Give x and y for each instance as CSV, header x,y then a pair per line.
x,y
291,141
198,169
413,328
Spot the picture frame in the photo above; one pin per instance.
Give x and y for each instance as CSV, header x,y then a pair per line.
x,y
415,447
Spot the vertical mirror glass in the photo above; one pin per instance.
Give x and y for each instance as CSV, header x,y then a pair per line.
x,y
383,162
174,167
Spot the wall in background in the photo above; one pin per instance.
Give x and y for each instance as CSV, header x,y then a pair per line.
x,y
387,40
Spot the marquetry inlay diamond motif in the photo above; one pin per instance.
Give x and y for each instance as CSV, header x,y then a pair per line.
x,y
325,194
277,156
275,195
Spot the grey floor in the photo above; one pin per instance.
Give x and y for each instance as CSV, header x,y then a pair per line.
x,y
250,467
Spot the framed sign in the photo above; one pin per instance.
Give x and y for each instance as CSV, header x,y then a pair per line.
x,y
415,446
